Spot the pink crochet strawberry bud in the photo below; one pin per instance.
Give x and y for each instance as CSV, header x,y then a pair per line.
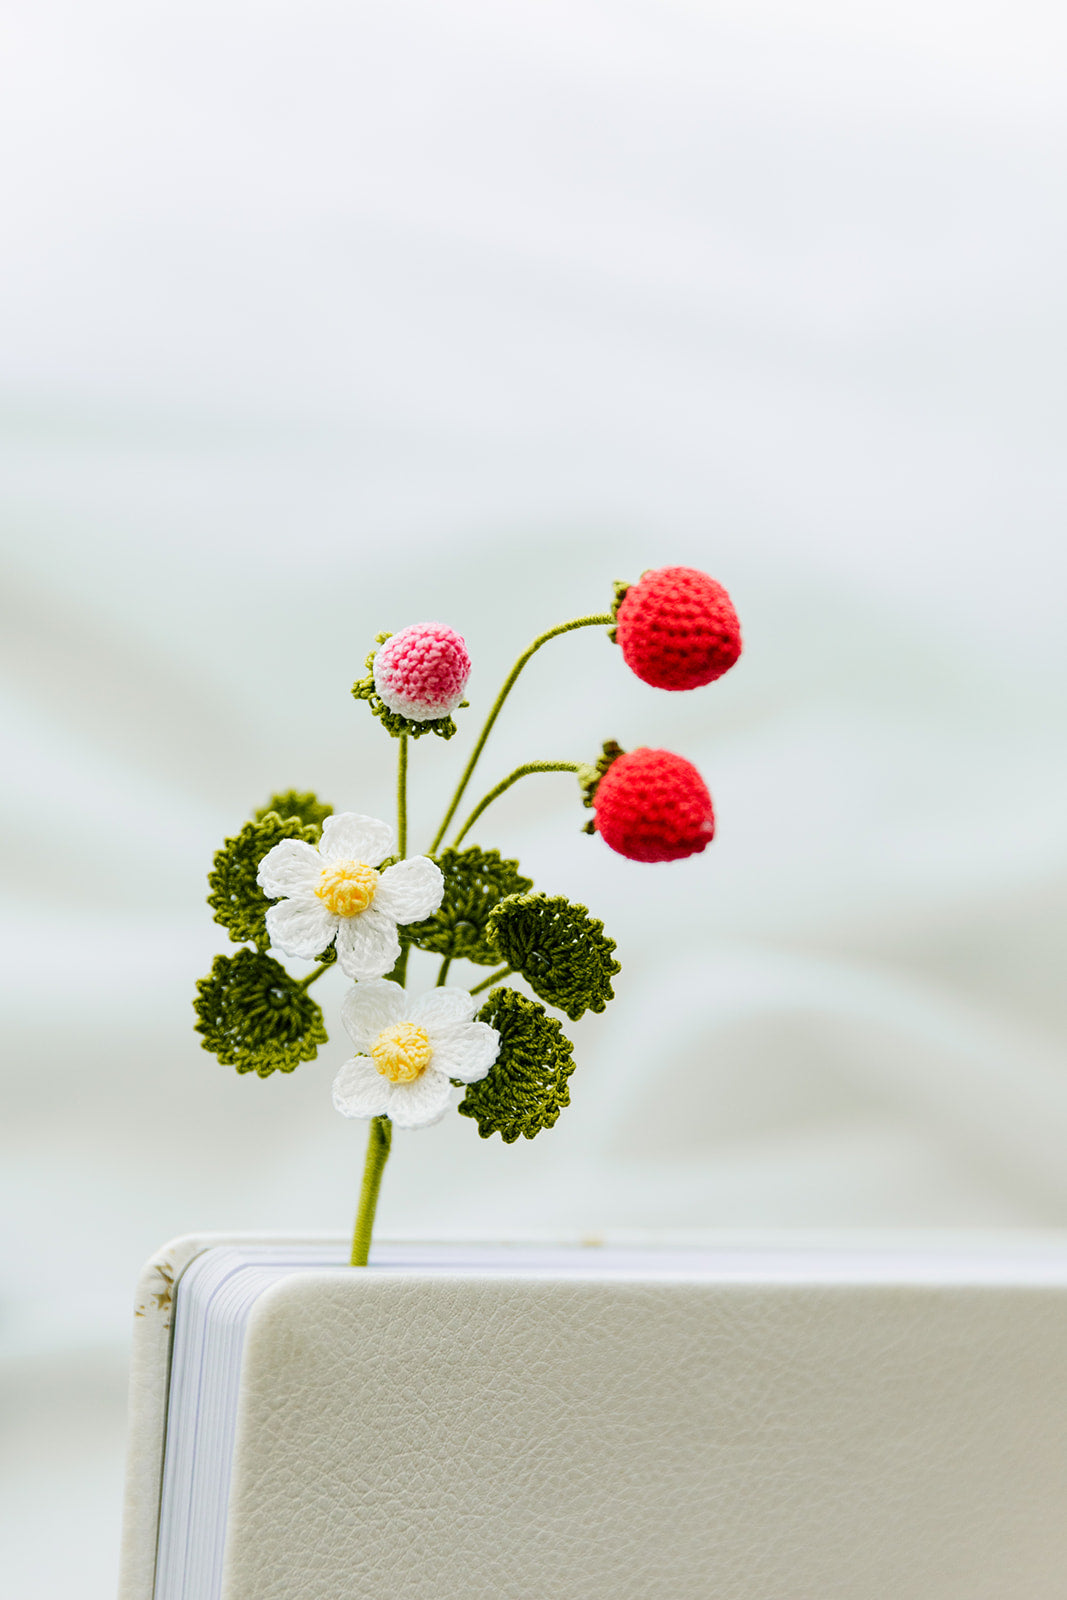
x,y
651,805
422,671
677,628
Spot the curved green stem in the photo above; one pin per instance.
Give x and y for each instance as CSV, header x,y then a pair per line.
x,y
313,977
402,797
494,977
605,621
379,1140
505,783
443,974
399,973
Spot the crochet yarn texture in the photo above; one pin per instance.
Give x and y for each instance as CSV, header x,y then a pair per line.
x,y
651,805
590,774
677,628
475,881
397,723
422,671
236,898
526,1087
300,803
255,1017
561,951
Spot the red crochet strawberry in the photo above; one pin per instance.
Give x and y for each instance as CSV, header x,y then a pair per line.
x,y
651,805
677,628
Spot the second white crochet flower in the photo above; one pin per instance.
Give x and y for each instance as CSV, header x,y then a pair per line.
x,y
409,1049
335,892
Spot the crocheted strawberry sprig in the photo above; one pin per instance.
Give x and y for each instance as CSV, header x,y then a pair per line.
x,y
340,889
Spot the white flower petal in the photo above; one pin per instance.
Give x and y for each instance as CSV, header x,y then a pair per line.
x,y
291,867
367,945
371,1006
352,837
466,1052
419,1104
411,889
301,927
442,1008
359,1090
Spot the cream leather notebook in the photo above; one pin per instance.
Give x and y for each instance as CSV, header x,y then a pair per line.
x,y
876,1421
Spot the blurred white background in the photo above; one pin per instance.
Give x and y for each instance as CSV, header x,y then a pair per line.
x,y
324,318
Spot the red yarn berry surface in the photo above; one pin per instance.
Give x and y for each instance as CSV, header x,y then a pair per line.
x,y
677,629
651,805
422,671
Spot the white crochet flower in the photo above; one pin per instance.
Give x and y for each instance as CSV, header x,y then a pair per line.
x,y
336,892
408,1050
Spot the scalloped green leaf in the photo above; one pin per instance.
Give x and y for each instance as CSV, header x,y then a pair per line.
x,y
526,1087
561,951
303,804
237,900
475,881
255,1017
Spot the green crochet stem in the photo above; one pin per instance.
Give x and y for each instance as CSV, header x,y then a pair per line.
x,y
402,796
494,977
313,977
505,783
443,973
606,621
379,1139
380,1134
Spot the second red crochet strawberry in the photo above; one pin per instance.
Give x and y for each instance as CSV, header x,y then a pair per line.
x,y
650,805
677,628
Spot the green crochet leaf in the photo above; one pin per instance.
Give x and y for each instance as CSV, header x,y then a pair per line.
x,y
236,898
255,1017
561,950
392,721
526,1087
305,805
475,881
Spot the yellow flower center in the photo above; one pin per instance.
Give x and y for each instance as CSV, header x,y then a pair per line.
x,y
347,887
402,1053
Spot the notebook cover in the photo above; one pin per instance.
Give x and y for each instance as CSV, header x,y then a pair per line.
x,y
405,1436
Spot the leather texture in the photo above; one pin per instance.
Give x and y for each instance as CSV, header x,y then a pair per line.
x,y
407,1437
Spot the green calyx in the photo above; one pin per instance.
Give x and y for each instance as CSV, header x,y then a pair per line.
x,y
304,805
590,774
236,898
561,951
621,591
393,721
475,882
255,1017
526,1087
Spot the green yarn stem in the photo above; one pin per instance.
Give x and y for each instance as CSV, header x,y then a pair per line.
x,y
443,974
505,783
399,973
402,796
509,683
379,1140
313,977
494,977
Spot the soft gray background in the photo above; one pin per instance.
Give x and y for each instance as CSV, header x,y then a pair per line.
x,y
322,318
